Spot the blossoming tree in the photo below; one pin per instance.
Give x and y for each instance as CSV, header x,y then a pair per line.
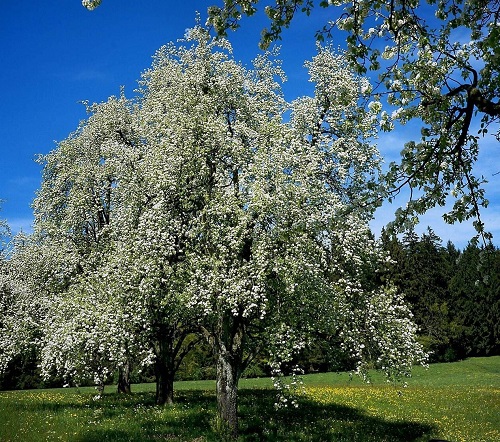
x,y
213,204
270,217
73,215
117,308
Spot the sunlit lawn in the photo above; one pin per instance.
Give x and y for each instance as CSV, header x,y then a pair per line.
x,y
455,402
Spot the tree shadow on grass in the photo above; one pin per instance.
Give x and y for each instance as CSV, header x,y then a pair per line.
x,y
313,421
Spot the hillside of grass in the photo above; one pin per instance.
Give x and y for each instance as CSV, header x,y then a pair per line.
x,y
455,402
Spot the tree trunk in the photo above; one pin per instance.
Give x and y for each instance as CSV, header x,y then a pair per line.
x,y
164,386
124,379
227,394
165,370
229,343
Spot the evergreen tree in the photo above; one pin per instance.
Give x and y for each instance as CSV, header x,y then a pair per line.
x,y
475,289
420,268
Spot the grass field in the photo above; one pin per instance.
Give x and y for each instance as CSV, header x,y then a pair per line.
x,y
455,402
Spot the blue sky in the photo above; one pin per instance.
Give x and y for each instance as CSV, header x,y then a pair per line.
x,y
55,54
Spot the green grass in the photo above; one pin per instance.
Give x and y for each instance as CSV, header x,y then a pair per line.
x,y
455,402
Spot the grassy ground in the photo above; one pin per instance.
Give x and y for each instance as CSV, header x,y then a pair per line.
x,y
455,402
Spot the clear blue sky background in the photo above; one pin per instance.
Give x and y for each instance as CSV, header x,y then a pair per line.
x,y
56,53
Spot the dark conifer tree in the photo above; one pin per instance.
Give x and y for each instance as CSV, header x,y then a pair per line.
x,y
475,288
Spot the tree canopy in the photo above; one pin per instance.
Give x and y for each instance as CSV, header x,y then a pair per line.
x,y
435,62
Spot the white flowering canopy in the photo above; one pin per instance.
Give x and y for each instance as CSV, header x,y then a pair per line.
x,y
269,218
201,202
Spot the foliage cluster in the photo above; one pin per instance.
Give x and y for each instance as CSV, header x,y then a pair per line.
x,y
436,63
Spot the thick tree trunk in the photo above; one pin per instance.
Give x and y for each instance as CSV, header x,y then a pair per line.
x,y
229,353
165,371
227,394
170,352
164,387
124,379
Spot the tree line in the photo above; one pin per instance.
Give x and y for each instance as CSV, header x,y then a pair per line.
x,y
454,295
